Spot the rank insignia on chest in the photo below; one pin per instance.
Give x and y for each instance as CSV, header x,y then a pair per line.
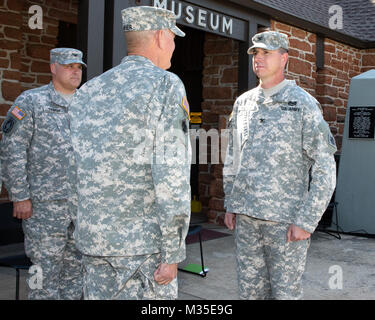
x,y
18,113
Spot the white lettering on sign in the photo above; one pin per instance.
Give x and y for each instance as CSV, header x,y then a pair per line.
x,y
190,16
177,13
160,4
198,16
214,25
202,18
227,25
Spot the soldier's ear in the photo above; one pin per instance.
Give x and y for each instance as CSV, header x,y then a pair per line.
x,y
162,38
285,58
53,68
159,38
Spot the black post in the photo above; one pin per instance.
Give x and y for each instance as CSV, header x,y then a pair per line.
x,y
91,36
17,284
118,46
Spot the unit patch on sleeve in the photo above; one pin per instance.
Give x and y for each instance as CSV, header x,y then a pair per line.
x,y
8,125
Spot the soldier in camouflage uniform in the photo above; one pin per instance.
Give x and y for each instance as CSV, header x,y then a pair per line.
x,y
36,150
129,130
277,135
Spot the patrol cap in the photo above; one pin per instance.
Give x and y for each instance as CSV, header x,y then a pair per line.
x,y
66,56
269,40
144,18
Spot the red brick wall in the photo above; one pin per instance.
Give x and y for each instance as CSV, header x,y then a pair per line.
x,y
368,60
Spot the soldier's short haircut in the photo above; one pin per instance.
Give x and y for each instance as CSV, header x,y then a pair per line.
x,y
138,39
282,51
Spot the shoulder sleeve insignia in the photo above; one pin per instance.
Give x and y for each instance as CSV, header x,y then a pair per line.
x,y
8,125
18,113
185,105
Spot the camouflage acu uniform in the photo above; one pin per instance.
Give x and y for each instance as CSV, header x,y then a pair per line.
x,y
125,278
36,150
273,144
129,131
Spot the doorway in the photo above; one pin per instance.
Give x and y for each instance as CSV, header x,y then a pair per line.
x,y
187,63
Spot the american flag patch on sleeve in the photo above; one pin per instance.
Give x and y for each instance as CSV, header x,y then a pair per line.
x,y
18,113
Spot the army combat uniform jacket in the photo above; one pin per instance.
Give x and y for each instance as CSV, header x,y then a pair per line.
x,y
36,148
129,130
272,146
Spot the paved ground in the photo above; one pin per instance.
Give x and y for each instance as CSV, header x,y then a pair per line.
x,y
351,259
336,270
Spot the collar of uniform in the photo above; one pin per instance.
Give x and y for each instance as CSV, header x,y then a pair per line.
x,y
259,95
279,96
56,98
137,59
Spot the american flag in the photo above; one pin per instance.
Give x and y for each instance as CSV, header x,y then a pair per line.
x,y
18,113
